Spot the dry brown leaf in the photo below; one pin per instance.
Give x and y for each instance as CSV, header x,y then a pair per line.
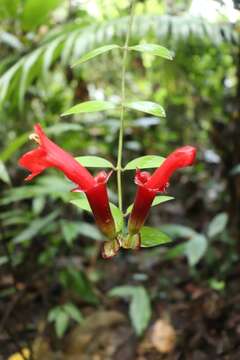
x,y
163,336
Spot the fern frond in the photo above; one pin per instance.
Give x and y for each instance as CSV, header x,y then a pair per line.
x,y
71,41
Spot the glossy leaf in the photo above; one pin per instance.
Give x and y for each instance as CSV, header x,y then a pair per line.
x,y
158,200
153,237
148,107
95,52
154,49
94,161
145,162
89,106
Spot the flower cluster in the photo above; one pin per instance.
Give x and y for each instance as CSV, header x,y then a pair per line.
x,y
48,154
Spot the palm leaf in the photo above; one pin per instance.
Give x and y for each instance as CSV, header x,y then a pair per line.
x,y
69,42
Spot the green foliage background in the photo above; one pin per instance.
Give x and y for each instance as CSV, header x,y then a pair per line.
x,y
199,90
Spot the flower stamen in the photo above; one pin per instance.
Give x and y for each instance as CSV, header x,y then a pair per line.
x,y
35,137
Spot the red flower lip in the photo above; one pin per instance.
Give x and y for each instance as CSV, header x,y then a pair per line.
x,y
48,154
150,185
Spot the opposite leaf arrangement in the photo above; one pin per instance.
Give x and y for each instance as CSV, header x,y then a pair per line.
x,y
48,154
108,217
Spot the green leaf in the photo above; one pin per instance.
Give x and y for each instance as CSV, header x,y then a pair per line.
x,y
178,231
158,200
61,323
118,217
140,310
76,281
34,228
95,53
217,285
235,170
35,12
176,251
122,291
50,55
90,231
62,127
7,79
73,312
145,162
217,225
154,49
94,161
53,313
27,70
8,9
10,39
89,106
72,229
140,306
153,237
83,204
4,174
13,147
148,107
195,249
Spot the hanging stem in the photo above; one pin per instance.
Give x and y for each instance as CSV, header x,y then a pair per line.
x,y
121,130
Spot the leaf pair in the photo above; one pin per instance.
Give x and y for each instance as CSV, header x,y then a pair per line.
x,y
149,236
152,49
101,105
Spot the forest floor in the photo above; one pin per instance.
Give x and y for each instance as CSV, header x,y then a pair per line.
x,y
190,321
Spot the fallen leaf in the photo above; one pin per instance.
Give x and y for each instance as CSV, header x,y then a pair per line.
x,y
163,336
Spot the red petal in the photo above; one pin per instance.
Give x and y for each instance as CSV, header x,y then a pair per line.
x,y
35,161
179,158
48,154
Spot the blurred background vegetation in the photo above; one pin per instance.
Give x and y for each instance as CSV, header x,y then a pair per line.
x,y
52,276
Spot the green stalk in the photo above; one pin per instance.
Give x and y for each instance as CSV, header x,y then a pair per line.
x,y
123,85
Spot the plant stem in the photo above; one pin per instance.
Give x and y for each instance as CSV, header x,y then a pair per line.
x,y
121,129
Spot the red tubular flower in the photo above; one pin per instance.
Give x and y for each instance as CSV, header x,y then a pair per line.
x,y
48,154
150,185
